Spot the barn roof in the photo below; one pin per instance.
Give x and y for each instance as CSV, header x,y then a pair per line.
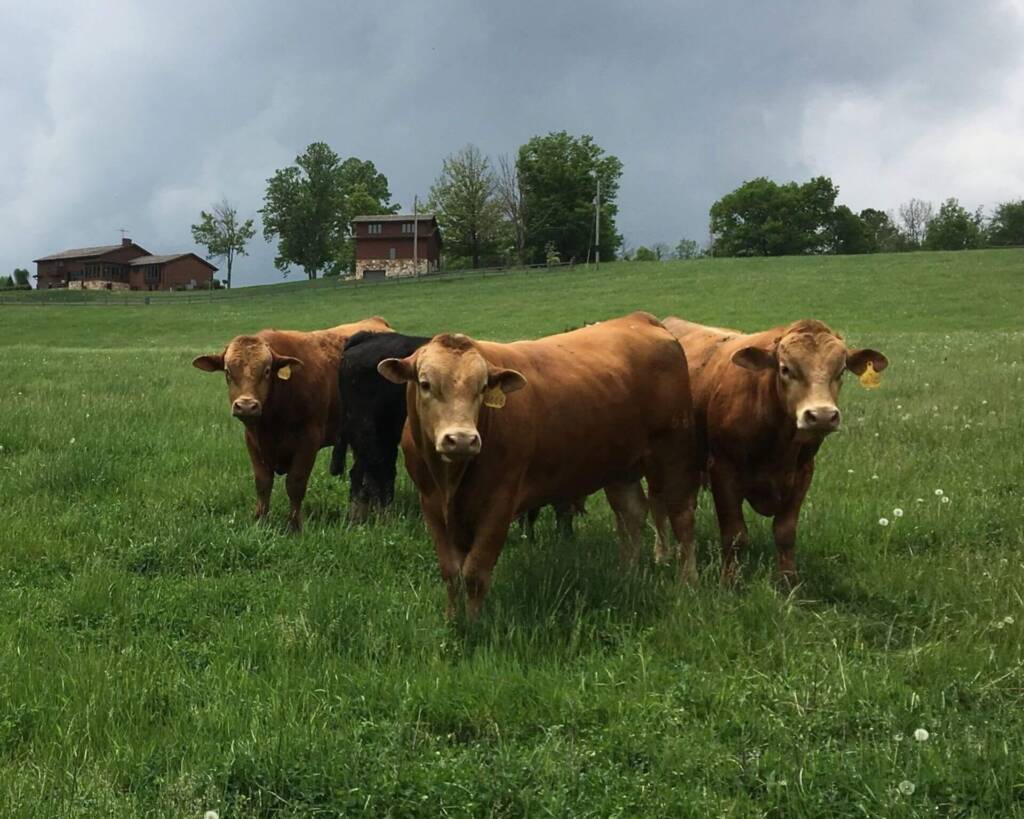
x,y
396,217
81,252
167,257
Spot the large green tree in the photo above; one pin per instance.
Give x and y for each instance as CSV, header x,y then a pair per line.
x,y
222,234
954,228
763,218
558,174
21,277
849,233
309,208
464,199
1007,224
881,232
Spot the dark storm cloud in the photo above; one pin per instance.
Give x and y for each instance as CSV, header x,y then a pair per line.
x,y
138,115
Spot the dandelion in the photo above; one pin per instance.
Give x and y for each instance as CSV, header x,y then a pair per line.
x,y
71,441
945,498
883,521
897,512
907,788
874,477
921,734
898,737
919,500
939,493
1000,625
211,814
1008,619
850,471
983,401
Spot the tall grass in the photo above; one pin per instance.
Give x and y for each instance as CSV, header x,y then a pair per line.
x,y
162,655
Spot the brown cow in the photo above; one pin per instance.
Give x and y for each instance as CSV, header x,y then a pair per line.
x,y
496,430
764,403
283,385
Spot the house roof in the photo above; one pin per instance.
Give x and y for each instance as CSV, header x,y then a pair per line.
x,y
395,217
167,257
83,252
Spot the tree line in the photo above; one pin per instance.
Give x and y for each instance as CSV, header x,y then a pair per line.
x,y
764,218
537,206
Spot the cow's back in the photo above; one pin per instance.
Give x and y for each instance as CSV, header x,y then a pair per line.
x,y
596,400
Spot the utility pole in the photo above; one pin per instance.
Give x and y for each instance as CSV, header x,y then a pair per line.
x,y
597,225
415,236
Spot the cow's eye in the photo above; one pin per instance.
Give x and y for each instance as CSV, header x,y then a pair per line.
x,y
266,372
785,371
425,386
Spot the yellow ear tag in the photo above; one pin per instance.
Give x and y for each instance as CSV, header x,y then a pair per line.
x,y
494,398
286,372
869,379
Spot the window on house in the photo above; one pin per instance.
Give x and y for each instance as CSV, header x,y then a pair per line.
x,y
374,228
391,254
407,227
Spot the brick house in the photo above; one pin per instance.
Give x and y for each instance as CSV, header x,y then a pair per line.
x,y
386,245
126,266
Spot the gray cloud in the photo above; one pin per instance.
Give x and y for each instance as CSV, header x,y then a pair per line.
x,y
138,115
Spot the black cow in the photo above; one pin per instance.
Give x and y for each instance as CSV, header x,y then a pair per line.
x,y
372,416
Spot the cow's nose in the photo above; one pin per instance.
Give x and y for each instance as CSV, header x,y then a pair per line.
x,y
825,418
245,408
460,443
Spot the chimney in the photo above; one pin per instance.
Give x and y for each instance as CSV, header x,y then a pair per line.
x,y
125,241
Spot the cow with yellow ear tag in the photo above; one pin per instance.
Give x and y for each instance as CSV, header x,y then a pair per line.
x,y
282,386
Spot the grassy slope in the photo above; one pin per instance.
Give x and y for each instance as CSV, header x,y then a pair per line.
x,y
161,654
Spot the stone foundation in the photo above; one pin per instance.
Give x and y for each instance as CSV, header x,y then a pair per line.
x,y
394,268
93,284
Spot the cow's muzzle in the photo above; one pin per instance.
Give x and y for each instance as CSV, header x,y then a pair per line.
x,y
246,409
458,444
824,418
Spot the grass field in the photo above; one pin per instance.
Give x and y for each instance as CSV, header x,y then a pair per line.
x,y
162,655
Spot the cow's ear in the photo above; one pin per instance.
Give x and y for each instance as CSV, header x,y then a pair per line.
x,y
505,380
755,358
857,361
283,365
209,363
398,370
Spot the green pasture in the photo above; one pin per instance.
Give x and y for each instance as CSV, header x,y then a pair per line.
x,y
161,655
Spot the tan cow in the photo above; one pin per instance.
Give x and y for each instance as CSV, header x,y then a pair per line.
x,y
764,404
283,386
496,430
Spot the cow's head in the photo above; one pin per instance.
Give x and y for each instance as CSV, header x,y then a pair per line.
x,y
808,361
249,365
452,381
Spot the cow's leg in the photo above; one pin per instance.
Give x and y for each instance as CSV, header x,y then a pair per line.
x,y
488,541
563,519
673,477
629,503
528,524
263,477
662,542
296,481
449,558
725,487
784,530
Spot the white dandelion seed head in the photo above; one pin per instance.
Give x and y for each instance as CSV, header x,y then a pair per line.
x,y
907,788
883,521
945,498
898,737
897,512
939,493
211,814
921,734
71,441
874,477
999,625
850,471
1008,619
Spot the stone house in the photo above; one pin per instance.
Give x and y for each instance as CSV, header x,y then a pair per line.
x,y
393,245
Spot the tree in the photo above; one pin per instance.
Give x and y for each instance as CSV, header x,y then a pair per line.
x,y
763,218
954,228
6,283
223,236
1007,225
309,208
914,218
881,232
849,233
661,251
559,175
645,254
464,198
687,249
512,203
21,277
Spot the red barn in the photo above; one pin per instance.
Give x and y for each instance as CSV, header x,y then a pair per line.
x,y
392,245
126,266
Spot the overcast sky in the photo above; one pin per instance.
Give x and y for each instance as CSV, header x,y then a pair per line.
x,y
139,114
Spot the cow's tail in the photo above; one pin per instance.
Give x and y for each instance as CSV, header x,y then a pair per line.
x,y
338,455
